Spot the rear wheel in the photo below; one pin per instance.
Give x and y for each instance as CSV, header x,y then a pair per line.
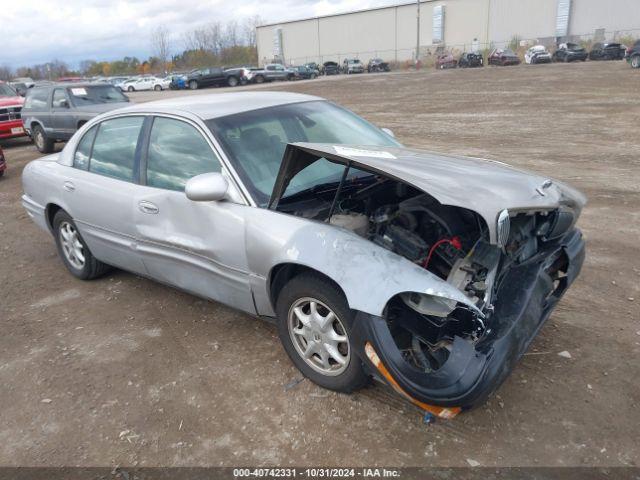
x,y
43,143
157,88
314,322
635,61
130,89
259,79
232,81
73,251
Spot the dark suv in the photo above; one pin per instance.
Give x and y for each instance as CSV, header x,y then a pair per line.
x,y
633,55
607,51
215,77
53,113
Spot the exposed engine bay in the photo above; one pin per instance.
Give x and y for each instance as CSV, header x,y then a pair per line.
x,y
450,242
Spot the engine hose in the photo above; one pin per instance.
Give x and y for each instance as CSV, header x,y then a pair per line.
x,y
420,357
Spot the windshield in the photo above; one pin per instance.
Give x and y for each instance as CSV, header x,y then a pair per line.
x,y
7,91
507,52
255,142
91,95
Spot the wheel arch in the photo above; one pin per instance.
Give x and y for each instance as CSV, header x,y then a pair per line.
x,y
282,273
50,212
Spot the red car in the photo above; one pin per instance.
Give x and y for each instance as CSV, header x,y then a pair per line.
x,y
10,112
446,60
503,57
3,163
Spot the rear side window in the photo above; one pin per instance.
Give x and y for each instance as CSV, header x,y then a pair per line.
x,y
114,148
177,152
37,98
59,97
83,152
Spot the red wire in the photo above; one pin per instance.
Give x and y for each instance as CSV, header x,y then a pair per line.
x,y
454,241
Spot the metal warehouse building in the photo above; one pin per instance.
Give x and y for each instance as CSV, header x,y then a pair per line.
x,y
392,32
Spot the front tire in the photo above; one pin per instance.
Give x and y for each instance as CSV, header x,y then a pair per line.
x,y
43,143
635,61
314,325
232,81
73,251
157,88
259,79
193,85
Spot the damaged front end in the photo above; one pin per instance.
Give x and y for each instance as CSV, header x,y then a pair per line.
x,y
506,240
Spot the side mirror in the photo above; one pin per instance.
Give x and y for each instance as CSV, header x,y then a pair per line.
x,y
64,103
388,131
207,187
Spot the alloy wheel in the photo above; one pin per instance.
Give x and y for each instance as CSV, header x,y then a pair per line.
x,y
319,336
71,245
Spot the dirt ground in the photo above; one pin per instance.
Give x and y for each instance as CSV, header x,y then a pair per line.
x,y
124,371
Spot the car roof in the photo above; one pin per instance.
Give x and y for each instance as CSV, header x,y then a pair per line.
x,y
216,105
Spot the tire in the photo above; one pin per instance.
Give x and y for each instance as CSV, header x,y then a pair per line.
x,y
232,81
312,76
193,85
157,88
43,143
130,89
259,79
68,239
635,61
300,292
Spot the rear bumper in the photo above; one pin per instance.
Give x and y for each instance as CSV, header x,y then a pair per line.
x,y
526,296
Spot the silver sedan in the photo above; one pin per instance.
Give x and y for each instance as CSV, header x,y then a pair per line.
x,y
428,272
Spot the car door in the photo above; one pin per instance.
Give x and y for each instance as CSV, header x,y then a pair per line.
x,y
99,191
196,246
63,120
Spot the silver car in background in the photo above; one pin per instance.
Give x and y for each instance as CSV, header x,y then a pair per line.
x,y
428,272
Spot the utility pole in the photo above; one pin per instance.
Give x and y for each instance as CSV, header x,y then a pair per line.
x,y
418,32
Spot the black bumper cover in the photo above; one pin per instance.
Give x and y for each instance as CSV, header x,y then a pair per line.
x,y
524,301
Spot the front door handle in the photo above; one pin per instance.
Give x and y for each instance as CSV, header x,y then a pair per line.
x,y
148,207
68,186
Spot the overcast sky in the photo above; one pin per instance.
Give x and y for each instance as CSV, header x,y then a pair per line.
x,y
36,31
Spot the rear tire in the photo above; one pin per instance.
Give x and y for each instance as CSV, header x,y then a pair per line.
x,y
157,88
232,81
635,61
259,79
43,143
321,367
73,251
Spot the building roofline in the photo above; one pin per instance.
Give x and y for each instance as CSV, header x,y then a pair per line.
x,y
351,12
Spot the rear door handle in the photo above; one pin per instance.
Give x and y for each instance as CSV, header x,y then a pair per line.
x,y
148,207
68,186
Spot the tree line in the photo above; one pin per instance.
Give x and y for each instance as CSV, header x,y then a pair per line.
x,y
215,44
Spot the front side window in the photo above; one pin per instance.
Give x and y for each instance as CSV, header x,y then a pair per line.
x,y
83,151
177,152
256,141
59,98
114,149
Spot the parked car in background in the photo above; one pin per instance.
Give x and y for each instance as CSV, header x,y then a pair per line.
x,y
378,65
305,73
178,82
144,83
125,84
28,81
271,72
445,60
313,66
470,60
116,81
537,54
3,163
10,112
569,52
19,87
632,55
215,77
53,113
607,51
352,65
433,273
330,68
503,57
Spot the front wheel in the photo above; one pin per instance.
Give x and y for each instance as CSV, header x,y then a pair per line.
x,y
314,322
73,251
157,88
193,85
259,79
43,143
232,81
130,89
635,61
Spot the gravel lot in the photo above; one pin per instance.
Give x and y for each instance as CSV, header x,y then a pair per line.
x,y
126,371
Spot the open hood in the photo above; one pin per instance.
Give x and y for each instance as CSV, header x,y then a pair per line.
x,y
484,186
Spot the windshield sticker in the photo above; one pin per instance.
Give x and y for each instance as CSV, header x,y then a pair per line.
x,y
358,152
78,91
